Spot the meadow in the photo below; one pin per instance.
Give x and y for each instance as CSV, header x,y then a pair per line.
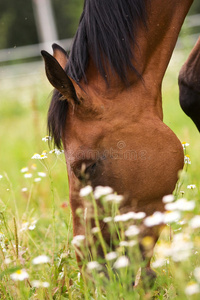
x,y
37,255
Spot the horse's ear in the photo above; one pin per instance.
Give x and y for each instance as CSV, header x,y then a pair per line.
x,y
60,55
58,77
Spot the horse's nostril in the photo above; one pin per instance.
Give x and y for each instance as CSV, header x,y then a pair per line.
x,y
90,170
85,170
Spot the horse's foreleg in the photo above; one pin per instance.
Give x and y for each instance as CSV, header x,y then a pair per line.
x,y
189,85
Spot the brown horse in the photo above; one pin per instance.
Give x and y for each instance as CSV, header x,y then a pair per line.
x,y
107,103
189,85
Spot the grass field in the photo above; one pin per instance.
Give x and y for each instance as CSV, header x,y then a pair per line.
x,y
35,217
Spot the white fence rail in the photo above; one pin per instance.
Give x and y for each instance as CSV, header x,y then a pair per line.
x,y
31,51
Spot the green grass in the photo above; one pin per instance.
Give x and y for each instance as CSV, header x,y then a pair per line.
x,y
22,126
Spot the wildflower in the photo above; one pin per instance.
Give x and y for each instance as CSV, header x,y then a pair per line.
x,y
111,255
121,262
168,198
42,259
42,174
85,191
32,225
56,151
38,284
24,189
102,191
185,205
28,175
125,217
19,275
93,265
184,144
7,260
139,215
113,198
36,156
181,204
1,176
192,288
181,247
163,249
171,216
46,138
2,236
129,216
39,156
132,231
28,226
78,240
128,243
107,219
37,179
197,273
156,219
159,263
191,186
24,226
23,170
187,160
33,167
95,230
195,222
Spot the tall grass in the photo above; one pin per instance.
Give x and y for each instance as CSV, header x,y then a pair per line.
x,y
35,217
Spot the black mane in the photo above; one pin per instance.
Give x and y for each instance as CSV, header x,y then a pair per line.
x,y
106,34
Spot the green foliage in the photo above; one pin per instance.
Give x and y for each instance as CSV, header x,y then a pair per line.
x,y
23,124
195,9
67,15
17,22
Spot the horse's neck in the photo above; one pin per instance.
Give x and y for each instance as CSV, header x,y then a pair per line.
x,y
152,53
157,43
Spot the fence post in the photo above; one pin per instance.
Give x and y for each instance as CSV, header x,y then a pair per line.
x,y
45,21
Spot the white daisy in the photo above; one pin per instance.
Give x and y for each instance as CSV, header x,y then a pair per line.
x,y
111,255
168,198
37,179
102,191
195,222
42,174
192,288
23,170
191,186
78,240
19,275
132,231
121,262
156,219
93,265
41,259
86,191
28,175
46,138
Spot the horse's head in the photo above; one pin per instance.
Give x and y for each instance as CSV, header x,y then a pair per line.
x,y
112,137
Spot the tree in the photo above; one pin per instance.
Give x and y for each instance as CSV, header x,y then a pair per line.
x,y
17,22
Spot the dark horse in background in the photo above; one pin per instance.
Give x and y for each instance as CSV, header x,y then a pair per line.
x,y
189,85
108,94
